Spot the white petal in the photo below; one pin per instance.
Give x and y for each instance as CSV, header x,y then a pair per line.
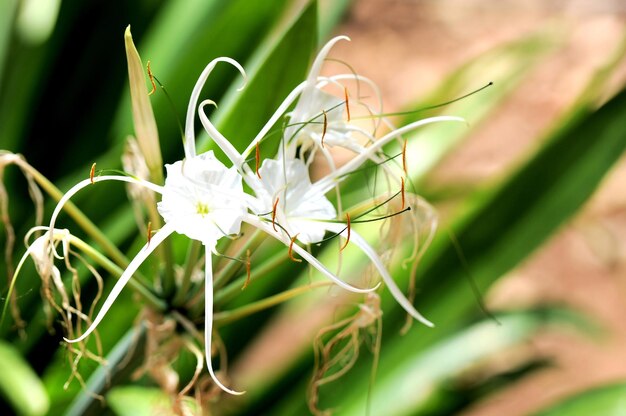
x,y
85,183
327,182
190,135
208,323
155,241
356,239
267,228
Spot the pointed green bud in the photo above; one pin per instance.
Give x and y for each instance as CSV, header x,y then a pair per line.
x,y
143,117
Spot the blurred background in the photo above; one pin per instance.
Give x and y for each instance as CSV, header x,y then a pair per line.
x,y
64,104
409,46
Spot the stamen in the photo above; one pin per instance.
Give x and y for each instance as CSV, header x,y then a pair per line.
x,y
245,285
257,158
345,93
293,240
149,231
348,233
402,190
404,157
92,172
325,127
151,77
274,214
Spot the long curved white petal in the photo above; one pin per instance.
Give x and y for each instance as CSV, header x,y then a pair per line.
x,y
190,135
277,114
219,139
326,183
255,221
319,59
85,183
157,239
397,294
208,323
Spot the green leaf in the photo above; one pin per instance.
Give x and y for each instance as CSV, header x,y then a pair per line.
x,y
408,389
145,401
129,348
277,67
7,17
607,401
19,383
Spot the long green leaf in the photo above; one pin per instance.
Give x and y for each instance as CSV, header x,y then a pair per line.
x,y
607,400
410,388
274,70
145,401
19,383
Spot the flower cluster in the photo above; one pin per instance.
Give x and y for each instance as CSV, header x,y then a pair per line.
x,y
206,200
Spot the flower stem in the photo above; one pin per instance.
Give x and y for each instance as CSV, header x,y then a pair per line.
x,y
225,273
226,317
190,263
229,291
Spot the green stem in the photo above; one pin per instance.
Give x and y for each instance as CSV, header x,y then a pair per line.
x,y
115,270
226,317
192,257
224,274
228,292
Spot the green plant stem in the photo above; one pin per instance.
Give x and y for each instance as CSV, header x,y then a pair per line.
x,y
224,274
236,286
192,257
226,317
115,270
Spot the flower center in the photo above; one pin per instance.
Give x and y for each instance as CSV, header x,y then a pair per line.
x,y
202,208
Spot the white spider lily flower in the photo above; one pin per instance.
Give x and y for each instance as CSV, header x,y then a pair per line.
x,y
307,120
318,117
295,204
203,199
288,206
304,213
322,123
265,192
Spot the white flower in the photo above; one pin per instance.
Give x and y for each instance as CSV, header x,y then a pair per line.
x,y
203,199
294,203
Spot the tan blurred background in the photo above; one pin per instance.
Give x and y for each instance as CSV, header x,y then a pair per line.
x,y
411,46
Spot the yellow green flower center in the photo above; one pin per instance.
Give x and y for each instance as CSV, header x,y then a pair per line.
x,y
202,208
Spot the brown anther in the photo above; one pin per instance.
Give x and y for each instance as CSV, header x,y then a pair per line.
x,y
257,158
345,93
92,172
404,157
402,190
293,240
348,236
245,285
325,126
151,77
149,231
274,214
